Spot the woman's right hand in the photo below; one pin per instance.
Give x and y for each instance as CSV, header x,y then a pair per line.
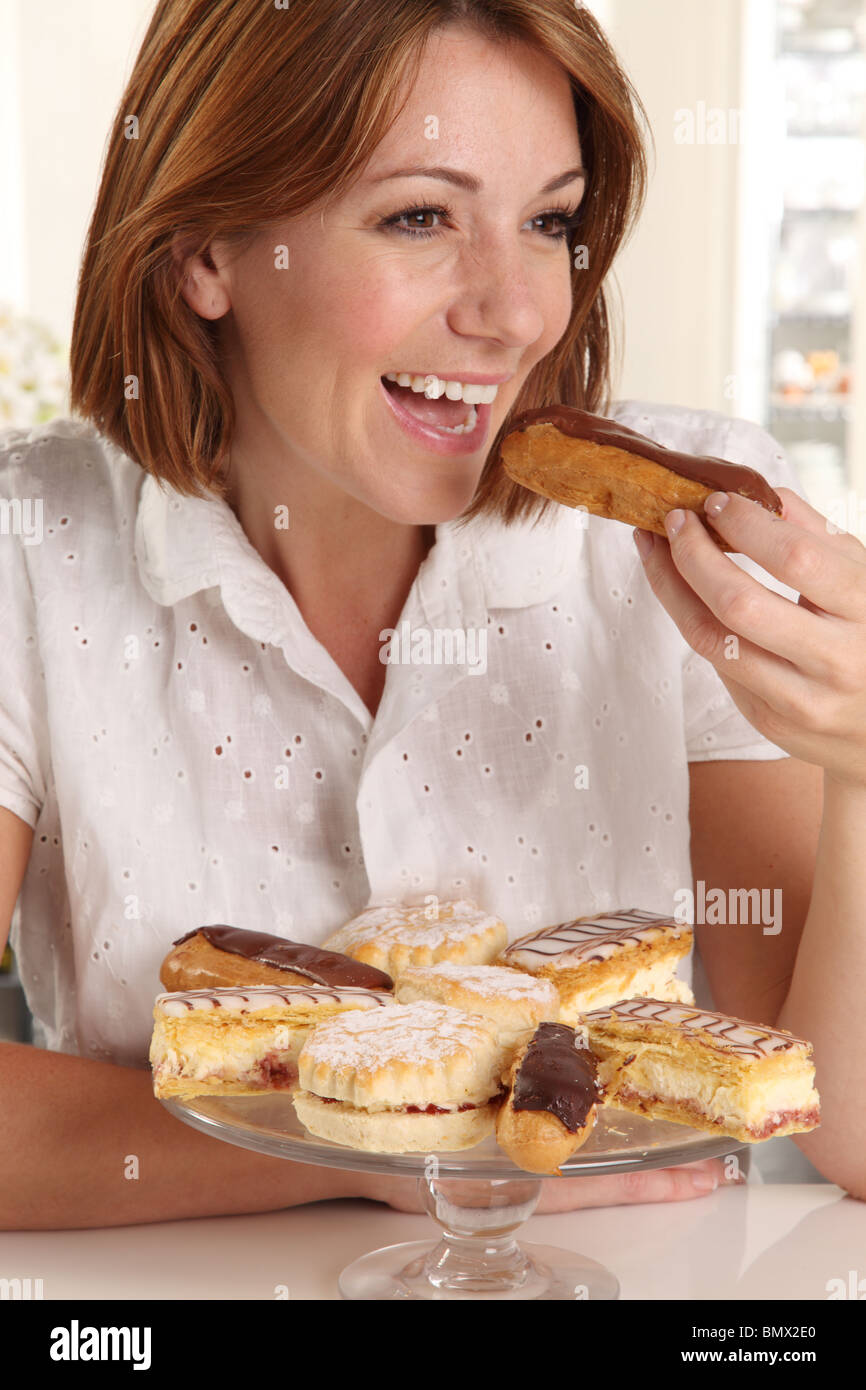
x,y
677,1184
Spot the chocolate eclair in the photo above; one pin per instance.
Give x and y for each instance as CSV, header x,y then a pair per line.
x,y
551,1109
220,956
588,461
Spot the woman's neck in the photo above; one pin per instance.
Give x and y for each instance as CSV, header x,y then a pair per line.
x,y
348,569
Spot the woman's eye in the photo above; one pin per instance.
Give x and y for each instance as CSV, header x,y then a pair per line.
x,y
566,218
414,213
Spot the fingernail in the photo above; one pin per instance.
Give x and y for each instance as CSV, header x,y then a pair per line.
x,y
704,1182
645,541
674,521
715,502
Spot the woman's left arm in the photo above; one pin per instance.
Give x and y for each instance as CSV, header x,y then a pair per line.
x,y
798,674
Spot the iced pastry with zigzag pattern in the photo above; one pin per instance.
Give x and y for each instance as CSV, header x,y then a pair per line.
x,y
594,961
707,1070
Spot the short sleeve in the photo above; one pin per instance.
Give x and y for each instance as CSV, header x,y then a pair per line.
x,y
714,727
23,718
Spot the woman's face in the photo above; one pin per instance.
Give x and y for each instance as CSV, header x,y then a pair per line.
x,y
481,290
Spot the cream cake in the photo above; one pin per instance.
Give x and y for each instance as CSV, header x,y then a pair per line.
x,y
707,1070
241,1042
408,1078
594,961
514,1003
394,936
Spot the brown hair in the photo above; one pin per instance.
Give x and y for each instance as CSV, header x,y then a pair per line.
x,y
217,155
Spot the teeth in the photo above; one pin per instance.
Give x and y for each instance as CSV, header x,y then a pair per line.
x,y
466,428
434,386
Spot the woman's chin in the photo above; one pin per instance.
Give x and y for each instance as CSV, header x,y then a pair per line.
x,y
434,508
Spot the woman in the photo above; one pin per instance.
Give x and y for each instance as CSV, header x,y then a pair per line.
x,y
226,742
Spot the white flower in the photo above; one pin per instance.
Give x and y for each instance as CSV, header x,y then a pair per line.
x,y
34,372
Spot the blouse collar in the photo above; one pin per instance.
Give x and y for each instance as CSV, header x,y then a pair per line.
x,y
186,544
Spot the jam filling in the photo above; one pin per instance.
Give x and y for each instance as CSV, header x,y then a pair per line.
x,y
690,1108
412,1109
275,1073
429,1109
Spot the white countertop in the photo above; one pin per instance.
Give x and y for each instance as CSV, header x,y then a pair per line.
x,y
755,1241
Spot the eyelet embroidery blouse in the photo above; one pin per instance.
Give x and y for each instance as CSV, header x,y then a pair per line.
x,y
188,753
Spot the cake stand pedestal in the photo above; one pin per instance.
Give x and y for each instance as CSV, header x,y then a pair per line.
x,y
478,1198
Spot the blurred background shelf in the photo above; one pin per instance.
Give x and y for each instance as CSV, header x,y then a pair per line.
x,y
816,246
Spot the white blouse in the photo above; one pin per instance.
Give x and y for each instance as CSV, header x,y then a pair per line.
x,y
187,752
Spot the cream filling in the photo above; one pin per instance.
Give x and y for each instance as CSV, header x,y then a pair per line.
x,y
654,981
439,1092
750,1100
379,1108
228,1057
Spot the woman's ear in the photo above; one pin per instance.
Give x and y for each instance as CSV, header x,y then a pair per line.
x,y
202,284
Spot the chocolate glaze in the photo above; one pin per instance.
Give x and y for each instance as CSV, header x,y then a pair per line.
x,y
557,1076
323,967
714,473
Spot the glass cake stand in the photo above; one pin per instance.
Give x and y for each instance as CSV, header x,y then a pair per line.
x,y
478,1197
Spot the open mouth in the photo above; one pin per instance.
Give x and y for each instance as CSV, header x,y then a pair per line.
x,y
451,417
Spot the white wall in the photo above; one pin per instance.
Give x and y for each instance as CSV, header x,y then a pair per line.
x,y
600,9
857,428
63,67
677,274
13,270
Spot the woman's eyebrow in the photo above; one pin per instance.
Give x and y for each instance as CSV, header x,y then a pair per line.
x,y
468,181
